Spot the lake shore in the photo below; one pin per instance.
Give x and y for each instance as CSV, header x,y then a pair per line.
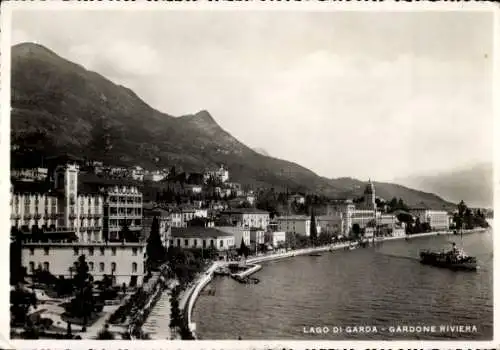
x,y
189,296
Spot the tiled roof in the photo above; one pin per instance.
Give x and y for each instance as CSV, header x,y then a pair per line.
x,y
246,211
198,232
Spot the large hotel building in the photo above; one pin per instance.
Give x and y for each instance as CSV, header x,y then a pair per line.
x,y
77,216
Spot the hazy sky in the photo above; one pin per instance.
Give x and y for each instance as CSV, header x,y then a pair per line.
x,y
359,94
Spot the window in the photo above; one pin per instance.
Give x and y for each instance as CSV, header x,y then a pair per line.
x,y
186,242
75,251
134,267
221,243
91,251
32,251
134,251
91,266
46,266
204,243
178,242
32,266
113,251
195,242
101,267
102,250
46,251
113,267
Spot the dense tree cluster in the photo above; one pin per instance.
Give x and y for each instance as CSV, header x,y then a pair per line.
x,y
466,218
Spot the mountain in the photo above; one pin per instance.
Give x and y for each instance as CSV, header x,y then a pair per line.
x,y
473,185
262,151
61,107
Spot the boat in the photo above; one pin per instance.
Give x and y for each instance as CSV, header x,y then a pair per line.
x,y
454,259
314,254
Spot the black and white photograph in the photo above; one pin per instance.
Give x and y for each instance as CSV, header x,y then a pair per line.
x,y
195,174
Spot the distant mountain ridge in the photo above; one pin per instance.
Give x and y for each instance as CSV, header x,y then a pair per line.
x,y
59,106
474,185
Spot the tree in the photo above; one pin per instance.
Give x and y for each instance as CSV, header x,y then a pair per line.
x,y
17,272
83,303
243,248
105,334
20,302
461,208
313,230
154,249
356,230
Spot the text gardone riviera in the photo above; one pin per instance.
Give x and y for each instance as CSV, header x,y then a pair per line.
x,y
391,329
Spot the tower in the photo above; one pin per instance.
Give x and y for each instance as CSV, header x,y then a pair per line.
x,y
66,183
369,195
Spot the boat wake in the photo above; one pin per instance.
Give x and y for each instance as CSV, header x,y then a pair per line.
x,y
400,256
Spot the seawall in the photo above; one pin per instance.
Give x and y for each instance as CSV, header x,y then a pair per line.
x,y
194,293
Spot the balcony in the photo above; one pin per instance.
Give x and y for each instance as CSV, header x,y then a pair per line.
x,y
72,216
27,217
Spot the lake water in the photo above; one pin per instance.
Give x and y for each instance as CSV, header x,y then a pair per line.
x,y
379,286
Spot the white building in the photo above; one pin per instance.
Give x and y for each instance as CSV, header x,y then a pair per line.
x,y
332,224
297,224
221,174
123,262
122,207
176,219
79,210
275,238
257,236
201,237
238,232
200,213
154,176
437,219
248,217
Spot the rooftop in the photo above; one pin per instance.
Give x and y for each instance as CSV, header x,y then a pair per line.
x,y
198,232
294,217
246,211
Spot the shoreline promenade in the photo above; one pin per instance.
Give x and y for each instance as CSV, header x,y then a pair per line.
x,y
188,298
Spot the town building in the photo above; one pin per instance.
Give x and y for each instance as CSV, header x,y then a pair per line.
x,y
34,174
297,224
73,218
123,262
176,218
257,236
219,175
437,219
122,208
201,237
332,224
275,238
248,217
297,198
238,232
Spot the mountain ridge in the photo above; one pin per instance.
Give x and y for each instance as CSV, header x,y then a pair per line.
x,y
60,106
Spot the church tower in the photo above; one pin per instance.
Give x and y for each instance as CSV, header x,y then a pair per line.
x,y
369,195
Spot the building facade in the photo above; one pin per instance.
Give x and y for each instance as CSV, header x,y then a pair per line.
x,y
122,207
81,212
247,217
201,238
437,219
238,232
297,224
124,263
